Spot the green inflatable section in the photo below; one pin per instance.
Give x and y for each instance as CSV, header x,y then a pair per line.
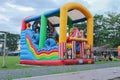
x,y
43,31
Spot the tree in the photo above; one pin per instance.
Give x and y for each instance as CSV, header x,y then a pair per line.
x,y
113,26
82,26
12,41
99,29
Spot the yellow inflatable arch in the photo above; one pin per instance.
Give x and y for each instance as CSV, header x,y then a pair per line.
x,y
63,21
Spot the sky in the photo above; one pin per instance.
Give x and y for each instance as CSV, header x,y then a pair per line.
x,y
13,11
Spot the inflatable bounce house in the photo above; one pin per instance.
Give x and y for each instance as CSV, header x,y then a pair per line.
x,y
52,38
118,52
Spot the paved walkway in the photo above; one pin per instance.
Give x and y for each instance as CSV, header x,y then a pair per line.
x,y
99,74
40,71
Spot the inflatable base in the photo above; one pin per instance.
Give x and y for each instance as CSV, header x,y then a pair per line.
x,y
57,62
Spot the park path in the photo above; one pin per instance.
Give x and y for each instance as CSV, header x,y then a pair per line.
x,y
99,74
40,71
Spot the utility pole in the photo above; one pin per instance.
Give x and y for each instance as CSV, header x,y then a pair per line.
x,y
4,50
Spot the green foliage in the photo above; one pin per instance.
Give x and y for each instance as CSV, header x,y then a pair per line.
x,y
82,26
11,41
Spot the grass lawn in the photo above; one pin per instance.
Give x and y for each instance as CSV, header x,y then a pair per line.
x,y
103,62
12,63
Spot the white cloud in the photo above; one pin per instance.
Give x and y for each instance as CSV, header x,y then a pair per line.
x,y
100,6
2,9
97,6
56,1
62,2
3,18
20,8
13,11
